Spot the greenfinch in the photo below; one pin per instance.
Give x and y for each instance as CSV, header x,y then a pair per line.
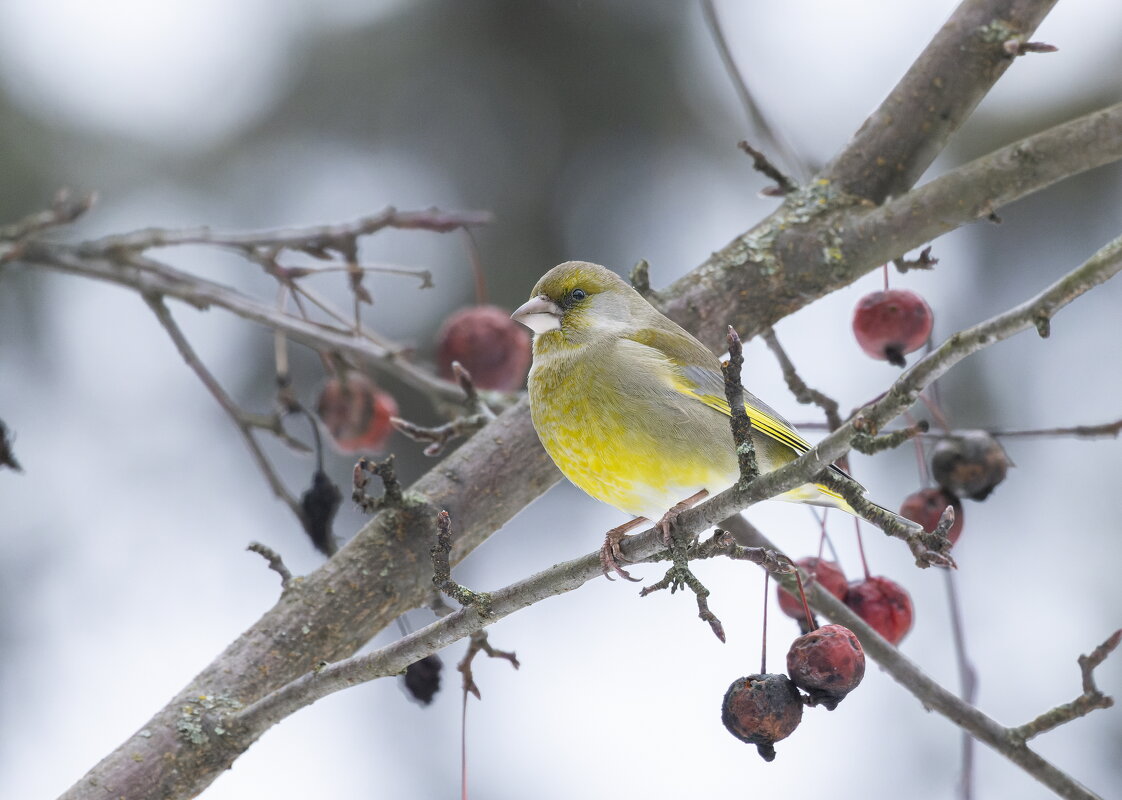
x,y
632,408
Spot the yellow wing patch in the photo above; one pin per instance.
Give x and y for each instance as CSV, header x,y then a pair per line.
x,y
763,421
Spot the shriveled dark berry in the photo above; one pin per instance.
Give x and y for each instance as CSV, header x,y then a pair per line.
x,y
491,346
422,678
883,604
826,573
970,464
891,323
926,507
761,710
827,664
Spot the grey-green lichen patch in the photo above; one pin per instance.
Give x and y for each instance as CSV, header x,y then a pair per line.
x,y
997,32
758,247
191,724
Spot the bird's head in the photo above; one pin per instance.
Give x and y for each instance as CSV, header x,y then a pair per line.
x,y
576,302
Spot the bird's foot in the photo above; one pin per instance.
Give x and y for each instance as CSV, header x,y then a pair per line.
x,y
668,518
611,554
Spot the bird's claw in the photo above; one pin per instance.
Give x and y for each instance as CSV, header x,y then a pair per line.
x,y
611,554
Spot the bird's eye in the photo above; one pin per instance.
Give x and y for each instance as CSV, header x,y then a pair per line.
x,y
578,294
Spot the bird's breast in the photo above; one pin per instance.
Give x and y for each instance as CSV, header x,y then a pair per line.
x,y
625,441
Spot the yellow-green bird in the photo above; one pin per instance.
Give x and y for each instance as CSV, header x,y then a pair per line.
x,y
632,408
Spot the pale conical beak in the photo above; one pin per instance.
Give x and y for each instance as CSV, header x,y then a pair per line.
x,y
539,314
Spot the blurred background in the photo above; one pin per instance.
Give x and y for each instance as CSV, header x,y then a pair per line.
x,y
603,130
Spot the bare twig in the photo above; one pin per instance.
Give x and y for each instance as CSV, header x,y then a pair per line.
x,y
803,393
1111,429
863,443
923,261
762,165
442,570
245,423
1090,700
738,416
276,563
64,209
478,643
968,680
321,241
478,415
1019,47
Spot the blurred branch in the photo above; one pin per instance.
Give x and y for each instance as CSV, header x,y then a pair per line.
x,y
1111,429
148,276
1090,700
320,241
756,117
478,415
803,393
245,422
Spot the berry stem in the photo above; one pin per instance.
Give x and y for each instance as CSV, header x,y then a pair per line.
x,y
464,748
810,620
921,457
763,643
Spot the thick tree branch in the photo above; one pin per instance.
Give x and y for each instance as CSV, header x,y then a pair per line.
x,y
805,248
939,91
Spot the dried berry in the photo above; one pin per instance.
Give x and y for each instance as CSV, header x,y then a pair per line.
x,y
761,710
827,664
422,678
970,464
826,573
356,413
891,323
492,347
317,512
883,604
926,507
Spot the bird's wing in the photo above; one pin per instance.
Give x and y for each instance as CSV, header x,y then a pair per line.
x,y
699,377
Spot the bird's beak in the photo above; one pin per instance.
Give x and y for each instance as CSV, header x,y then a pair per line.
x,y
539,314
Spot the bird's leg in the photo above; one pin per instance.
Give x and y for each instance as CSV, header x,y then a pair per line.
x,y
611,555
676,509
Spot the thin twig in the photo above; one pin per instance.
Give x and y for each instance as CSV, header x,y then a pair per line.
x,y
321,241
738,415
923,261
762,164
245,423
803,393
477,643
442,570
276,563
479,414
1090,700
968,680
